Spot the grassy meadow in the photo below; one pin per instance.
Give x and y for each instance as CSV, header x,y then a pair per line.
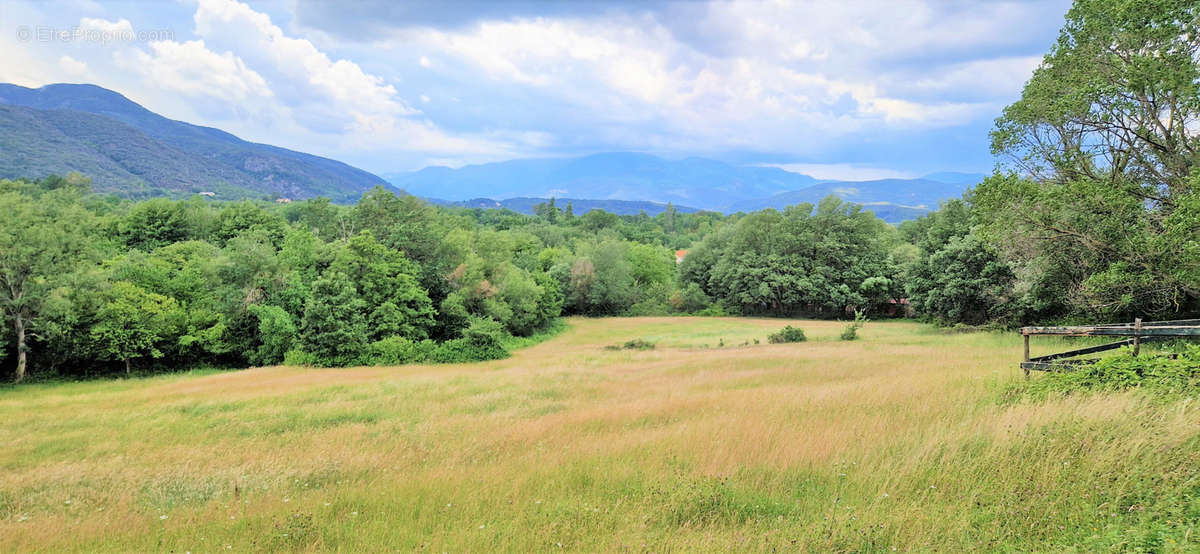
x,y
902,440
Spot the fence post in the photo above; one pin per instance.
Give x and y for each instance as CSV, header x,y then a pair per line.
x,y
1137,336
1026,352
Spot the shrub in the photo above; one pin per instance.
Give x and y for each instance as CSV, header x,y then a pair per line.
x,y
1178,374
482,340
690,299
276,330
397,350
787,334
635,344
299,357
714,310
851,331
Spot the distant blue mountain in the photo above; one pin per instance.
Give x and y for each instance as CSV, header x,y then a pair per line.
x,y
893,200
698,182
579,206
955,177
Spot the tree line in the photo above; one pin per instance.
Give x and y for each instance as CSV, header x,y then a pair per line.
x,y
95,284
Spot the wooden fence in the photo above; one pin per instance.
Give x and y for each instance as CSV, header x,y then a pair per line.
x,y
1139,332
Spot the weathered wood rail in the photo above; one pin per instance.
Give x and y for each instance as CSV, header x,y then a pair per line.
x,y
1139,332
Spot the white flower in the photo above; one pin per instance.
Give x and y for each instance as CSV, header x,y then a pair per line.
x,y
164,516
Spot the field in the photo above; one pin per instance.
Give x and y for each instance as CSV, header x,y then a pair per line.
x,y
901,440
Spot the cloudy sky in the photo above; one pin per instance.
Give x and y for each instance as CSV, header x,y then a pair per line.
x,y
838,89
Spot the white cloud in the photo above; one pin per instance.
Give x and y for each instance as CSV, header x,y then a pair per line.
x,y
192,69
72,66
330,91
118,28
780,79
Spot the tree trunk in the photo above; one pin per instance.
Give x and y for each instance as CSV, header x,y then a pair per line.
x,y
127,370
19,325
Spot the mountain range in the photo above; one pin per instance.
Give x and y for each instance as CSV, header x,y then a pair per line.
x,y
699,182
695,182
134,152
579,206
131,151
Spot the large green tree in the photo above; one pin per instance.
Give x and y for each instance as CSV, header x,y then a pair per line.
x,y
386,281
133,323
333,331
45,236
801,260
1103,146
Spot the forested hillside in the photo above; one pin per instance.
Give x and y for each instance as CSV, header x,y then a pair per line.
x,y
129,150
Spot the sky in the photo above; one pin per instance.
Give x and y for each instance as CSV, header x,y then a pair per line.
x,y
837,90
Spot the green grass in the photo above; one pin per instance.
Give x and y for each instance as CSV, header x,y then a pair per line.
x,y
903,439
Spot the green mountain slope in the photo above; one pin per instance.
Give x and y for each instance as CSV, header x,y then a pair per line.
x,y
130,150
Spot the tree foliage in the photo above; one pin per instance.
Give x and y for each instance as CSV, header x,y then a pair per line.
x,y
1105,139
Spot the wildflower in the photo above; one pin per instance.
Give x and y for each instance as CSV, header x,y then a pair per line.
x,y
67,502
482,526
164,516
287,499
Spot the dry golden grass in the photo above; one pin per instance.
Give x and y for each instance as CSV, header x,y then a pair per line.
x,y
898,440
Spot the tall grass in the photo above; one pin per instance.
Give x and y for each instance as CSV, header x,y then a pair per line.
x,y
898,440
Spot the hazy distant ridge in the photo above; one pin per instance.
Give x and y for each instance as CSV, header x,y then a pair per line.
x,y
697,182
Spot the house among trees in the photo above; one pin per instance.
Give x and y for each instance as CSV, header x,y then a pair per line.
x,y
680,255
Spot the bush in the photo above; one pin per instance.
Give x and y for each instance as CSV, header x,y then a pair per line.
x,y
690,299
277,332
1162,374
482,340
397,350
299,357
787,334
714,310
635,344
851,331
548,331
